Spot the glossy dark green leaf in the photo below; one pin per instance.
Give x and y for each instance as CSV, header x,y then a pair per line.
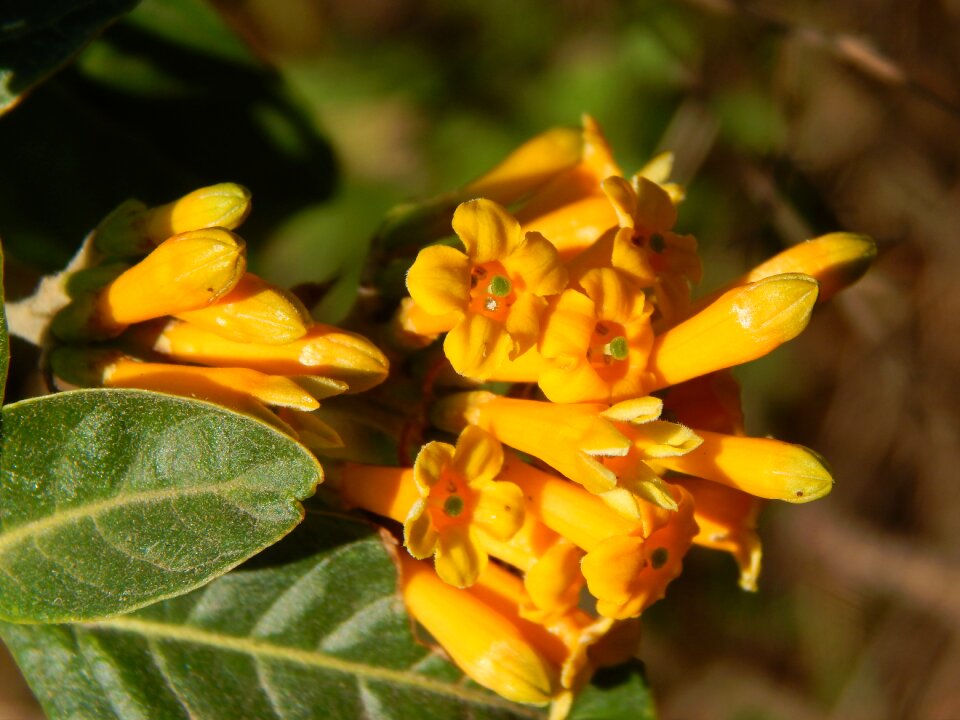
x,y
616,694
4,338
324,636
37,38
114,499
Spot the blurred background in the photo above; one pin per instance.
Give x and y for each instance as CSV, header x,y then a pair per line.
x,y
788,119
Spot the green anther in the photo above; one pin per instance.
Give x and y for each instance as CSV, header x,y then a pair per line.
x,y
618,348
659,557
499,286
657,243
453,505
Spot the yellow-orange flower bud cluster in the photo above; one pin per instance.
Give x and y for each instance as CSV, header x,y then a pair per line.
x,y
168,305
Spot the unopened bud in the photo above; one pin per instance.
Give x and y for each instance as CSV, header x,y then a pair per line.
x,y
254,311
134,229
741,325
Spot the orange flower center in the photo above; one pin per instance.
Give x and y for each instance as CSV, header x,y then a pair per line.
x,y
450,502
609,349
492,290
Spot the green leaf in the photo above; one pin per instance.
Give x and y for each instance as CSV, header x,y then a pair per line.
x,y
4,339
114,499
37,38
615,693
325,637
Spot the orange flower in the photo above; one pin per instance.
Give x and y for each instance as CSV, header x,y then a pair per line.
x,y
496,289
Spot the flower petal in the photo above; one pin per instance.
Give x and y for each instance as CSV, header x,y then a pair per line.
x,y
538,265
658,168
567,327
477,346
610,570
432,460
499,509
655,209
614,299
623,198
575,384
554,582
459,559
632,260
478,456
419,535
523,323
487,230
529,166
439,280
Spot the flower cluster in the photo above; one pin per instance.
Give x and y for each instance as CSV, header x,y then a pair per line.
x,y
619,442
165,303
584,430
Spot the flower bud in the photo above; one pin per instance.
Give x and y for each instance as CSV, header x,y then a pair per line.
x,y
255,312
134,229
741,325
323,351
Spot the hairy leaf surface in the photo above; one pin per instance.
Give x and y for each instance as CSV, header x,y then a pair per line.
x,y
616,693
322,636
114,499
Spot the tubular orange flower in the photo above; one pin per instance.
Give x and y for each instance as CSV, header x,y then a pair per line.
x,y
627,574
741,325
134,229
445,502
710,402
187,272
253,311
574,642
597,342
550,565
587,522
530,166
497,287
571,209
493,649
643,248
727,521
246,391
570,438
604,449
835,261
763,467
325,351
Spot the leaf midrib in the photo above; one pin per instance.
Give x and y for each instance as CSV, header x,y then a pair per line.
x,y
10,538
260,650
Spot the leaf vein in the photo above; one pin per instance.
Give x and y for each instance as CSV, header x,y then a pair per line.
x,y
270,651
18,534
